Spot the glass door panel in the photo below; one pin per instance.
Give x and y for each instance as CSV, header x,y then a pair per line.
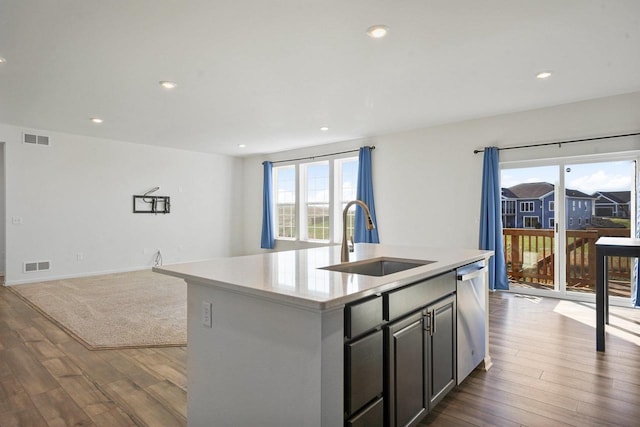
x,y
598,203
528,218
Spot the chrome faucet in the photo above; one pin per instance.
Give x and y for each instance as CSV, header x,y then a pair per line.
x,y
344,256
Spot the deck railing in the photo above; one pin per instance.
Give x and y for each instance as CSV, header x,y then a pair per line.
x,y
529,254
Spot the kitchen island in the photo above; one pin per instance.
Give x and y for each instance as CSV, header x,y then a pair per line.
x,y
266,333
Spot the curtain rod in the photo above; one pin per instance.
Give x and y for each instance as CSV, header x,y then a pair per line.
x,y
321,155
559,143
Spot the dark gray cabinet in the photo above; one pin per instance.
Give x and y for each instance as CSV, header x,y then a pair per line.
x,y
364,363
364,373
421,362
400,353
405,386
441,349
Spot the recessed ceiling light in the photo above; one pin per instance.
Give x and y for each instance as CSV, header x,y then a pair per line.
x,y
96,120
324,128
543,75
242,145
377,31
167,84
2,60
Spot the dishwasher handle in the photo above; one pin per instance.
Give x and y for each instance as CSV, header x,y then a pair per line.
x,y
472,274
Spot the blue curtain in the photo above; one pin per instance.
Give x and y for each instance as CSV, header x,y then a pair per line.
x,y
365,193
268,239
491,221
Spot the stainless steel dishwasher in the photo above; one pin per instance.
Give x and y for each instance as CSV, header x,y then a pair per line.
x,y
471,317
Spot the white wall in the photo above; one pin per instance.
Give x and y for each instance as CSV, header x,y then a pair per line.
x,y
2,209
427,181
75,197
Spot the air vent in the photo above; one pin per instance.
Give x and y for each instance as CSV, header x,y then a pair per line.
x,y
30,267
33,266
30,138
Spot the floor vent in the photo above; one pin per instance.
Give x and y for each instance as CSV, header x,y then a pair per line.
x,y
32,266
30,138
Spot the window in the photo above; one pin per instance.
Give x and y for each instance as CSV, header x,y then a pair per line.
x,y
552,223
552,206
579,221
315,216
509,207
310,198
347,170
526,207
531,222
284,191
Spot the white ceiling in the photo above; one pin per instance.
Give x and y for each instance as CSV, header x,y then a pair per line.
x,y
270,73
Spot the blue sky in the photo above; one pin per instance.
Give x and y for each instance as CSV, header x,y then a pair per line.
x,y
585,177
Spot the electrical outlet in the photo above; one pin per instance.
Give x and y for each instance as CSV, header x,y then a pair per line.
x,y
206,314
16,220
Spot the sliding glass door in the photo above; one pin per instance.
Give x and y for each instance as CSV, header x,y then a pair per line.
x,y
552,216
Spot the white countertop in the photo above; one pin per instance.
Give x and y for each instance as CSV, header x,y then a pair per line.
x,y
294,277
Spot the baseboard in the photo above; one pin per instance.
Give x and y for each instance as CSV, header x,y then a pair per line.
x,y
73,276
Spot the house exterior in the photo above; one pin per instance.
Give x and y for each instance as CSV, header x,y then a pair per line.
x,y
532,205
613,203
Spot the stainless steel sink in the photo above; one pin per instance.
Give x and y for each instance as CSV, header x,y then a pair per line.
x,y
378,266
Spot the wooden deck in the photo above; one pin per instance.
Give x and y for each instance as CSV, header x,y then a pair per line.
x,y
530,259
546,373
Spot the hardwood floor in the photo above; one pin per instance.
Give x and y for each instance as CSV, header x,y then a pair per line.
x,y
48,379
546,373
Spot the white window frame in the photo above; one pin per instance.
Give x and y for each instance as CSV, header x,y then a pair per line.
x,y
564,208
530,217
551,206
275,214
532,204
335,199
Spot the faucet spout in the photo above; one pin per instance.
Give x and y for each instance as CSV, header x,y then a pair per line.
x,y
344,254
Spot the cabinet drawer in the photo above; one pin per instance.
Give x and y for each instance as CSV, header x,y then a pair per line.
x,y
372,416
363,316
402,301
364,371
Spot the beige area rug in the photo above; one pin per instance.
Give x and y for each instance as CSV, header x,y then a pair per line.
x,y
136,309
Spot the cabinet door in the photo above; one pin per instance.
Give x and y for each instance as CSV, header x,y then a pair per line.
x,y
364,371
406,403
441,349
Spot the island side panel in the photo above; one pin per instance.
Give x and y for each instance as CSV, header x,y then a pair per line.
x,y
262,362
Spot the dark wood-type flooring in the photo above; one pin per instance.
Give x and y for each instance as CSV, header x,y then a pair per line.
x,y
546,373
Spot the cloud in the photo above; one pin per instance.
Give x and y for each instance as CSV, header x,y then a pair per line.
x,y
601,181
